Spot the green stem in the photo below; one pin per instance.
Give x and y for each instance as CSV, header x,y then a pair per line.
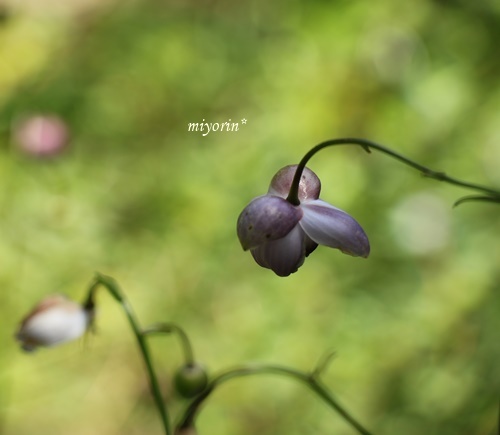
x,y
173,328
112,286
309,380
477,198
499,417
293,196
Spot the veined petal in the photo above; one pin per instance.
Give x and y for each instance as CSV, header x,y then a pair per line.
x,y
265,219
283,256
309,186
330,226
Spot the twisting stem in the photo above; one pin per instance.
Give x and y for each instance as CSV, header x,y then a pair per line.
x,y
309,380
173,328
293,196
112,286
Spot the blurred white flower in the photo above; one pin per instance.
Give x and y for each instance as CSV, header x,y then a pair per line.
x,y
421,233
41,135
55,320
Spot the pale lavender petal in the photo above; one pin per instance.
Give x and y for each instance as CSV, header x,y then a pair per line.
x,y
283,256
265,219
330,226
309,186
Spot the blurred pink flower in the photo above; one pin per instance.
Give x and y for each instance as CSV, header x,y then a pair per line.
x,y
41,135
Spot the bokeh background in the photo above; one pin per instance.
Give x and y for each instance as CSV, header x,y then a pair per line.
x,y
137,196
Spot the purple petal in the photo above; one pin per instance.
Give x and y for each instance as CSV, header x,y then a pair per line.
x,y
330,226
265,219
283,256
309,186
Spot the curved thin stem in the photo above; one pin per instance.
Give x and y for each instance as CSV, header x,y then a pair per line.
x,y
309,380
477,198
173,328
293,196
112,286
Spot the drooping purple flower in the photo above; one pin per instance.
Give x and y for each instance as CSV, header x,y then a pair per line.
x,y
280,235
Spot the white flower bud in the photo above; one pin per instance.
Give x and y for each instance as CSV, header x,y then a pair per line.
x,y
55,320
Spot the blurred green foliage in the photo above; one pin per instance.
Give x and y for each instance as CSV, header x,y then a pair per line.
x,y
138,197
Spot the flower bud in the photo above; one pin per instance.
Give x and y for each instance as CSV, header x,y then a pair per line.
x,y
309,185
55,320
190,380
